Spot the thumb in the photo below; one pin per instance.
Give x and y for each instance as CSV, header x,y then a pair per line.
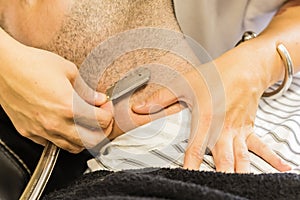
x,y
156,102
88,94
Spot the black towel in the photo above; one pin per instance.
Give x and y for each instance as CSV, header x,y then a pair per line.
x,y
155,183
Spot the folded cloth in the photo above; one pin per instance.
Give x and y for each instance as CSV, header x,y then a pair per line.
x,y
162,183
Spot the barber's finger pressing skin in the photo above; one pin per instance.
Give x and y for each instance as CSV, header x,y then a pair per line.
x,y
163,98
141,119
184,88
125,117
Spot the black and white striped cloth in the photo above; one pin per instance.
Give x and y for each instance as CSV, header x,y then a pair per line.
x,y
162,143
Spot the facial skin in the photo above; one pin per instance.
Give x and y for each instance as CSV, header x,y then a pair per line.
x,y
73,28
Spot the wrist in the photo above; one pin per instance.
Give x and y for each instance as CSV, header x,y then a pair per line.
x,y
256,61
9,48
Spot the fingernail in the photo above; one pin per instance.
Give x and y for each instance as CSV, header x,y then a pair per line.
x,y
286,164
100,97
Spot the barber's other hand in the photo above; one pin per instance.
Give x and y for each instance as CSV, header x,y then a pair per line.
x,y
37,93
242,91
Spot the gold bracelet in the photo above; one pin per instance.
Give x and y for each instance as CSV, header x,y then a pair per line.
x,y
288,66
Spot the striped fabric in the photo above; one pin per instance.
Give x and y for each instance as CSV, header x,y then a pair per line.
x,y
162,143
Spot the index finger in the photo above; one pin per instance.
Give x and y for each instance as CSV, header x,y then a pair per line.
x,y
160,99
90,116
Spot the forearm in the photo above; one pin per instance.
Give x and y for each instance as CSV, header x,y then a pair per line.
x,y
6,44
259,56
9,51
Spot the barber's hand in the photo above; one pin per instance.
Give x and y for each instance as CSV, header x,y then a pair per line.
x,y
37,93
242,91
125,119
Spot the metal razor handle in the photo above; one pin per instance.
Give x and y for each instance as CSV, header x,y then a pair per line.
x,y
42,173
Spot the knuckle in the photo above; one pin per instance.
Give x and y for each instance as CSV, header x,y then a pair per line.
x,y
51,125
91,140
72,70
46,123
206,118
228,123
76,150
264,147
69,147
109,128
23,132
98,139
194,152
75,136
91,143
105,120
39,141
67,110
159,96
225,160
78,141
243,155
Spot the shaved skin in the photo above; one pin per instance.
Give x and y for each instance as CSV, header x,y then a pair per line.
x,y
91,22
85,24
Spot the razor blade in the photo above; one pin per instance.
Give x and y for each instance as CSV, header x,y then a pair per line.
x,y
130,82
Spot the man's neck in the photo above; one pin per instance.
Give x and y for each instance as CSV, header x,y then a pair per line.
x,y
33,23
91,22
